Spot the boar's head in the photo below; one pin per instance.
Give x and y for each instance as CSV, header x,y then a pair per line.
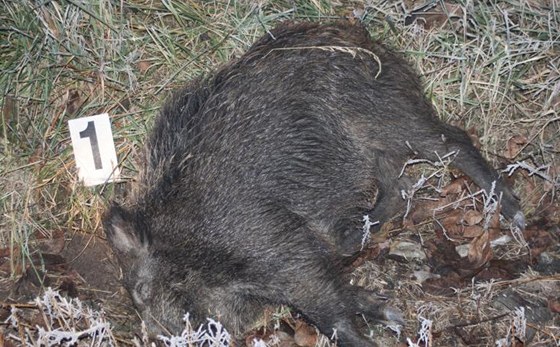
x,y
159,287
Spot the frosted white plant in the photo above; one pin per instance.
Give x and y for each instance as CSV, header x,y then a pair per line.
x,y
68,322
520,323
424,335
443,161
259,343
212,335
537,171
12,318
490,205
217,334
57,337
366,233
409,194
396,328
517,330
323,341
58,307
441,165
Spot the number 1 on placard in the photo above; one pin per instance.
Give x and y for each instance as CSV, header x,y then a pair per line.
x,y
94,150
90,132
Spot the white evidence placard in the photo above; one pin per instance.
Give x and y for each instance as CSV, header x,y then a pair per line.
x,y
94,149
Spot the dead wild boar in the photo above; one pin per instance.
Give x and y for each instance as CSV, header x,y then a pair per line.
x,y
256,179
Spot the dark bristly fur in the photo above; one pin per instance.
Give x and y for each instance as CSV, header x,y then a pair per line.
x,y
256,180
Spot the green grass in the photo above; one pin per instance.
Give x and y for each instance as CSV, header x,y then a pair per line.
x,y
497,70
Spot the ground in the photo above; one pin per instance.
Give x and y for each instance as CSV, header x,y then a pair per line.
x,y
460,274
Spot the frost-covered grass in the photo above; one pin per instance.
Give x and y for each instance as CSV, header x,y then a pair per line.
x,y
69,322
213,335
494,68
64,322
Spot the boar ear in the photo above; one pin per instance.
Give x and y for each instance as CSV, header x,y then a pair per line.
x,y
122,231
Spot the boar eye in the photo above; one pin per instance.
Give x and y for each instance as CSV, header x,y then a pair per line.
x,y
142,291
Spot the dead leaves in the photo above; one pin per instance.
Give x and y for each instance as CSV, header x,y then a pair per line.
x,y
466,239
515,145
554,305
472,218
459,219
289,332
480,251
434,14
305,335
